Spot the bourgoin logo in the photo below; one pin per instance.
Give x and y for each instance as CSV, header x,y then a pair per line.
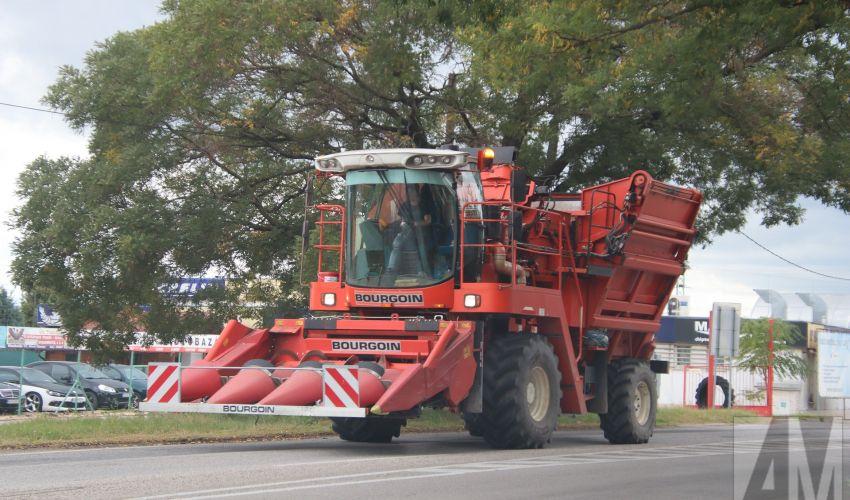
x,y
247,409
365,345
407,298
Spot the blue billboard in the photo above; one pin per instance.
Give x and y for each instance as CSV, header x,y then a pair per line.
x,y
47,317
3,332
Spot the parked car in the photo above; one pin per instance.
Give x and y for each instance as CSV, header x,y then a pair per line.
x,y
130,375
42,392
9,395
100,390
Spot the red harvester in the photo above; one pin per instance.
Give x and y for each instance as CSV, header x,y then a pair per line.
x,y
460,282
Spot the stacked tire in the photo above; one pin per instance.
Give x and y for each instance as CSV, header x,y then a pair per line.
x,y
701,395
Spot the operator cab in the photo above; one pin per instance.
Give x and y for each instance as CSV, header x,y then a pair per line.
x,y
402,214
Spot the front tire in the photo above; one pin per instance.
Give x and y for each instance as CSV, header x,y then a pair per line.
x,y
368,430
472,423
33,402
632,402
91,399
522,392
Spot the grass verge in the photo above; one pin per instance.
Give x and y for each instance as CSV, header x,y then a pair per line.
x,y
116,430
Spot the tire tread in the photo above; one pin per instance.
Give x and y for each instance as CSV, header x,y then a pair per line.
x,y
617,425
368,430
501,424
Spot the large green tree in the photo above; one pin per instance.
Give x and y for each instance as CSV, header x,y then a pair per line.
x,y
203,127
745,100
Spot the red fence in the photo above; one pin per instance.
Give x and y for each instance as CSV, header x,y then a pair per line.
x,y
749,390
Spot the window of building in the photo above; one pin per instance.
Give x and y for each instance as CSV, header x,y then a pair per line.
x,y
683,355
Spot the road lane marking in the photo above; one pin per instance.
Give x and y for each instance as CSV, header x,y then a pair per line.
x,y
656,453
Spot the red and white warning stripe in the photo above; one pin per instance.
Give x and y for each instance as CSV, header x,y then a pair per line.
x,y
163,383
341,386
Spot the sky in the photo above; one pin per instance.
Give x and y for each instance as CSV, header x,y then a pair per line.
x,y
36,38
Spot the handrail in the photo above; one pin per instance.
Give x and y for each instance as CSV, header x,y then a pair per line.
x,y
266,368
604,204
321,246
518,248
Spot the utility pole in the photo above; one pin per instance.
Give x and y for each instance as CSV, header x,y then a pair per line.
x,y
769,381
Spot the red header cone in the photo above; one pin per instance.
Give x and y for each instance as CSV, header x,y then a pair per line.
x,y
371,387
302,388
196,384
246,387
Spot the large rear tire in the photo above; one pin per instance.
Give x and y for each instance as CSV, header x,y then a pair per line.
x,y
368,430
522,392
632,402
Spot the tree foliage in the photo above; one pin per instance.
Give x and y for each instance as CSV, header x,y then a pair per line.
x,y
744,100
203,127
10,313
755,353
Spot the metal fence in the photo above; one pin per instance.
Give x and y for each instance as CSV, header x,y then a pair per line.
x,y
68,401
747,390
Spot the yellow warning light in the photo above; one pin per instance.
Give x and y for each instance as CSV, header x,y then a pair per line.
x,y
485,159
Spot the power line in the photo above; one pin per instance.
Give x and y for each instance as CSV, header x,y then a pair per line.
x,y
31,108
117,122
804,268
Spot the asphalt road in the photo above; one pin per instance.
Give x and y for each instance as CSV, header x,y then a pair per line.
x,y
678,463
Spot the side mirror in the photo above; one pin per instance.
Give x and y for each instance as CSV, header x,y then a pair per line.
x,y
305,227
309,197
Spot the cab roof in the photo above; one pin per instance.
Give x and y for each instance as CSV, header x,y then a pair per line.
x,y
392,158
